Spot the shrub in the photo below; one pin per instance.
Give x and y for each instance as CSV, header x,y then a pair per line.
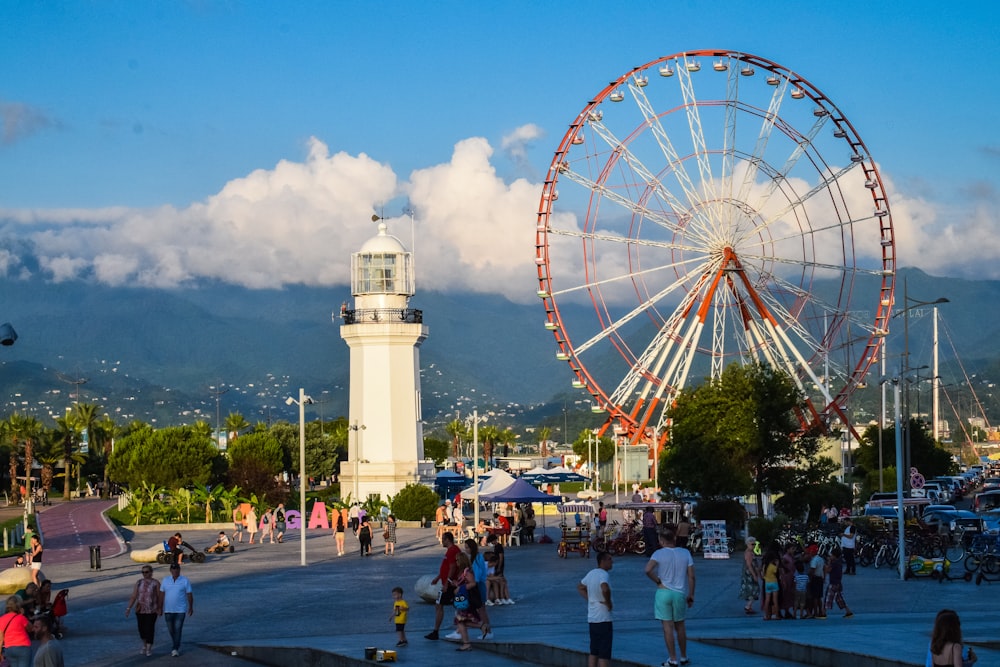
x,y
414,502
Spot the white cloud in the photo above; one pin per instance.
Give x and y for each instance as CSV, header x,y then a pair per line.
x,y
517,142
299,222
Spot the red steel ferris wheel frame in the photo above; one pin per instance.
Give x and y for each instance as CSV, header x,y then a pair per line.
x,y
634,420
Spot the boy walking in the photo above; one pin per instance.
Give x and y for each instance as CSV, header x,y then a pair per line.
x,y
399,610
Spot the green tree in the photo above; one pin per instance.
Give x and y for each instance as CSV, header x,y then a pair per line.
x,y
415,501
255,463
926,456
739,435
584,445
436,449
68,434
182,458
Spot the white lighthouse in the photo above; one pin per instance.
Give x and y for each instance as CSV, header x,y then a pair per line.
x,y
385,441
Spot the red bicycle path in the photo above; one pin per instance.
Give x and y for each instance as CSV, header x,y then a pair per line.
x,y
69,529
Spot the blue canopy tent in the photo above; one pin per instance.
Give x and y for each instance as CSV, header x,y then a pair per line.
x,y
522,492
448,481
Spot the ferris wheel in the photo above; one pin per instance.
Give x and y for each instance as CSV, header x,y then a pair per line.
x,y
706,208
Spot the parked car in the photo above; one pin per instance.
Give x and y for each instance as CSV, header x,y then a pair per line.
x,y
991,520
991,484
948,520
986,500
935,508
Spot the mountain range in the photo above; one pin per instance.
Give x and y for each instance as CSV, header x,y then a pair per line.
x,y
171,356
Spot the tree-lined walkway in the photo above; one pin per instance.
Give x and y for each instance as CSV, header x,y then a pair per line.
x,y
69,529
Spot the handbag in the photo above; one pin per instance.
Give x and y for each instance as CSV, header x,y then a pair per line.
x,y
460,602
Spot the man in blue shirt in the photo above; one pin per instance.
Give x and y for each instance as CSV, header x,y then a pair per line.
x,y
176,601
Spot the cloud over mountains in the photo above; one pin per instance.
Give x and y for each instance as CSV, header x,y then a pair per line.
x,y
298,222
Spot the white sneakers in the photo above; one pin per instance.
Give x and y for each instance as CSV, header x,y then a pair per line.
x,y
453,636
500,601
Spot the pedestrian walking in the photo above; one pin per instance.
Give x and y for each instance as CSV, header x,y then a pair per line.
x,y
146,600
252,525
238,523
353,515
749,577
399,612
595,588
280,522
389,535
14,629
446,573
338,533
365,536
835,587
848,536
176,602
671,568
267,525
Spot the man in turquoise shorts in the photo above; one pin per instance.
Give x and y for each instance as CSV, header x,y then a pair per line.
x,y
671,568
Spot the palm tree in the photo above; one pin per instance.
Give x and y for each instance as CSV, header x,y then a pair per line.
x,y
544,433
13,445
49,453
108,430
24,431
488,434
68,435
457,430
235,423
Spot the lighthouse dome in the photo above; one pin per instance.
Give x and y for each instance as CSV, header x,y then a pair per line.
x,y
382,242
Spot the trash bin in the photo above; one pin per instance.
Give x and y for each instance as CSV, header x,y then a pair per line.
x,y
95,557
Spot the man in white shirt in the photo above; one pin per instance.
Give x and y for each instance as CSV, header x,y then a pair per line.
x,y
595,588
671,568
176,601
847,543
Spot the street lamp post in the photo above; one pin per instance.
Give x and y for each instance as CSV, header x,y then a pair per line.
x,y
302,402
357,457
908,305
218,392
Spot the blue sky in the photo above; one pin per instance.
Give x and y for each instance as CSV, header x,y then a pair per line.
x,y
153,142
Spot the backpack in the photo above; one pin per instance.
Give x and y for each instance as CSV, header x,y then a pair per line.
x,y
279,516
265,519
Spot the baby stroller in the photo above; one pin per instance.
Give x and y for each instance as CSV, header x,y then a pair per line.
x,y
165,556
56,612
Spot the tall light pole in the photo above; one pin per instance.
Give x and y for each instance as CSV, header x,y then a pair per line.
x,y
357,457
302,402
218,392
908,305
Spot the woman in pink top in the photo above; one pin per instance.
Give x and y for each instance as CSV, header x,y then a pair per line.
x,y
14,628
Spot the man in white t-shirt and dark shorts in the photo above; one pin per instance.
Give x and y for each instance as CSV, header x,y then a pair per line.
x,y
671,568
596,590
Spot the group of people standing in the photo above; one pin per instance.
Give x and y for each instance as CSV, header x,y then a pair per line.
x,y
271,523
470,582
28,632
794,583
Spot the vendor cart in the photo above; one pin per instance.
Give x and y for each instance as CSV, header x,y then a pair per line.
x,y
575,524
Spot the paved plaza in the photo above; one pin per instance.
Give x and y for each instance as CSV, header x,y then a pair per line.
x,y
261,597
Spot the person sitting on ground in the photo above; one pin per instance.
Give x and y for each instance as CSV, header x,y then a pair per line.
x,y
221,545
28,595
